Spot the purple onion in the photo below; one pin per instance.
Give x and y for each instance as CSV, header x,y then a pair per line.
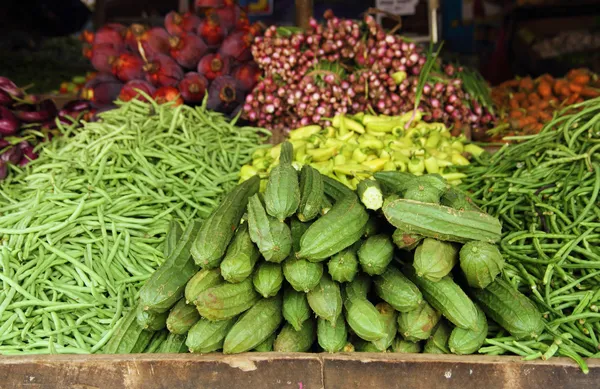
x,y
5,98
9,123
12,155
3,170
435,103
10,87
38,113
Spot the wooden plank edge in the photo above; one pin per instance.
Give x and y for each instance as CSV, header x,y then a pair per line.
x,y
295,370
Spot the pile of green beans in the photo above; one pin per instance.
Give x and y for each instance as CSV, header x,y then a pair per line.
x,y
545,190
82,227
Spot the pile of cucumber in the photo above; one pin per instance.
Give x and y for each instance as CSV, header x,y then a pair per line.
x,y
404,264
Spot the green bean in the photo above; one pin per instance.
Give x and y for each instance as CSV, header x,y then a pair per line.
x,y
82,225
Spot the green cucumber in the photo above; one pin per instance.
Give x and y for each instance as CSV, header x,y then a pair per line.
x,y
481,263
129,337
226,300
301,274
241,256
166,285
394,288
174,344
295,308
311,193
395,182
282,195
218,229
326,299
173,235
419,323
457,199
448,298
390,320
406,240
290,340
268,279
332,337
375,254
341,227
370,194
151,321
405,347
335,189
254,326
267,345
182,317
463,341
207,336
273,238
510,308
427,188
343,266
204,279
364,319
438,343
360,286
435,259
442,223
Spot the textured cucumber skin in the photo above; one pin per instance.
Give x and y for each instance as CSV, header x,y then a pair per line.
x,y
343,266
241,256
272,237
340,228
173,236
375,254
364,319
510,308
202,280
390,321
129,337
481,263
419,323
441,222
226,300
167,284
326,299
332,338
394,288
435,259
282,195
295,308
182,317
217,231
311,193
208,336
254,326
291,341
301,274
463,341
174,344
448,298
268,279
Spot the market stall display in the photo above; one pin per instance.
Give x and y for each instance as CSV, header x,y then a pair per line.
x,y
155,218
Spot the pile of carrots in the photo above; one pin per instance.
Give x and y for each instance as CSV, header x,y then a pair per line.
x,y
525,104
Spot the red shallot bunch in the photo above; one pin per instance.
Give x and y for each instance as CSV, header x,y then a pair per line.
x,y
349,66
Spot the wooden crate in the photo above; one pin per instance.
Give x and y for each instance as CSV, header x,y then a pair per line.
x,y
294,371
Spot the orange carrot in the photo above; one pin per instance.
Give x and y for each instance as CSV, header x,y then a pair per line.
x,y
565,91
590,92
575,88
558,86
572,99
543,104
520,96
509,84
533,98
526,84
544,116
514,104
581,79
547,77
544,89
515,114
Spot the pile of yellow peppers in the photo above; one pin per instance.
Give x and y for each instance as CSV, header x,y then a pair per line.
x,y
355,147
